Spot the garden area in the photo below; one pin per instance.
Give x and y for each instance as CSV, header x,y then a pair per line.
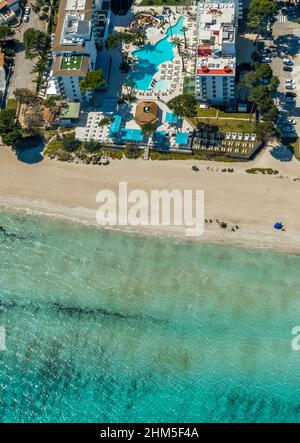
x,y
230,125
68,148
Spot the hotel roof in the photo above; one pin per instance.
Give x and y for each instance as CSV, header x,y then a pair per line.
x,y
146,112
216,38
70,110
82,11
71,71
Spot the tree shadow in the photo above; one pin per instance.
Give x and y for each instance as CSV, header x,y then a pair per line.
x,y
31,150
282,153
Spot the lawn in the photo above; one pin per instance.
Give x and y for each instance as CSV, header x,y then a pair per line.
x,y
236,115
227,125
12,104
74,63
207,112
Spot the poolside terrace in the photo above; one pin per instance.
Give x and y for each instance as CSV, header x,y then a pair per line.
x,y
168,78
232,144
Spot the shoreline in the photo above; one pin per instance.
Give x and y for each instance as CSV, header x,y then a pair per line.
x,y
251,201
215,235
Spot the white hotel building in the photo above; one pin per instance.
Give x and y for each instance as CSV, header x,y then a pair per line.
x,y
79,34
216,51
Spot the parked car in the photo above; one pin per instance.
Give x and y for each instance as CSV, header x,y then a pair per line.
x,y
266,60
291,121
290,86
290,94
27,10
288,68
26,19
265,51
287,62
288,128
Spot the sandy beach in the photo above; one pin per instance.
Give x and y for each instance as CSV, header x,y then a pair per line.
x,y
253,202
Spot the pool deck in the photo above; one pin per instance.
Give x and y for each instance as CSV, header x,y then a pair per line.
x,y
171,71
88,127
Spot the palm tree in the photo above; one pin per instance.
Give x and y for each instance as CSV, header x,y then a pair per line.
x,y
178,42
148,128
140,37
184,29
130,85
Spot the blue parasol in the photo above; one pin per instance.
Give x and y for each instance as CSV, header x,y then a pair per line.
x,y
278,225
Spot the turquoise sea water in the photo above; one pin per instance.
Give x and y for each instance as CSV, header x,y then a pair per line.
x,y
104,326
151,56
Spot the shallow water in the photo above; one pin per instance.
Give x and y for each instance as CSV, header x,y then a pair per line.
x,y
105,326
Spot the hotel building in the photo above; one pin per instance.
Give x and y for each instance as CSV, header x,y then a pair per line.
x,y
81,29
8,8
216,52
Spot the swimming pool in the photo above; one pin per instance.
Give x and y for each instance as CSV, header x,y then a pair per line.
x,y
151,56
161,85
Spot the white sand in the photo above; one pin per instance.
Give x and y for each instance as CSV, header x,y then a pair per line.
x,y
254,202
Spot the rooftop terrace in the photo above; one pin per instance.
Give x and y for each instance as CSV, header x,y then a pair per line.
x,y
71,63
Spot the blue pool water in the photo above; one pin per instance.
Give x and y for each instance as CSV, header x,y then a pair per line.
x,y
151,56
161,85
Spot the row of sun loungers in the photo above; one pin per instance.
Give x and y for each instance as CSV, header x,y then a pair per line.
x,y
240,136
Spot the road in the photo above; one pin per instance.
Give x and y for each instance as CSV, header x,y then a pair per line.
x,y
22,76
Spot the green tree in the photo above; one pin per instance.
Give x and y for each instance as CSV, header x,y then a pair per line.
x,y
265,130
10,130
6,32
70,143
139,37
105,121
92,81
36,42
178,42
148,128
114,41
271,114
249,80
260,11
13,138
184,29
274,84
91,146
52,101
263,71
130,84
25,96
184,105
261,96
